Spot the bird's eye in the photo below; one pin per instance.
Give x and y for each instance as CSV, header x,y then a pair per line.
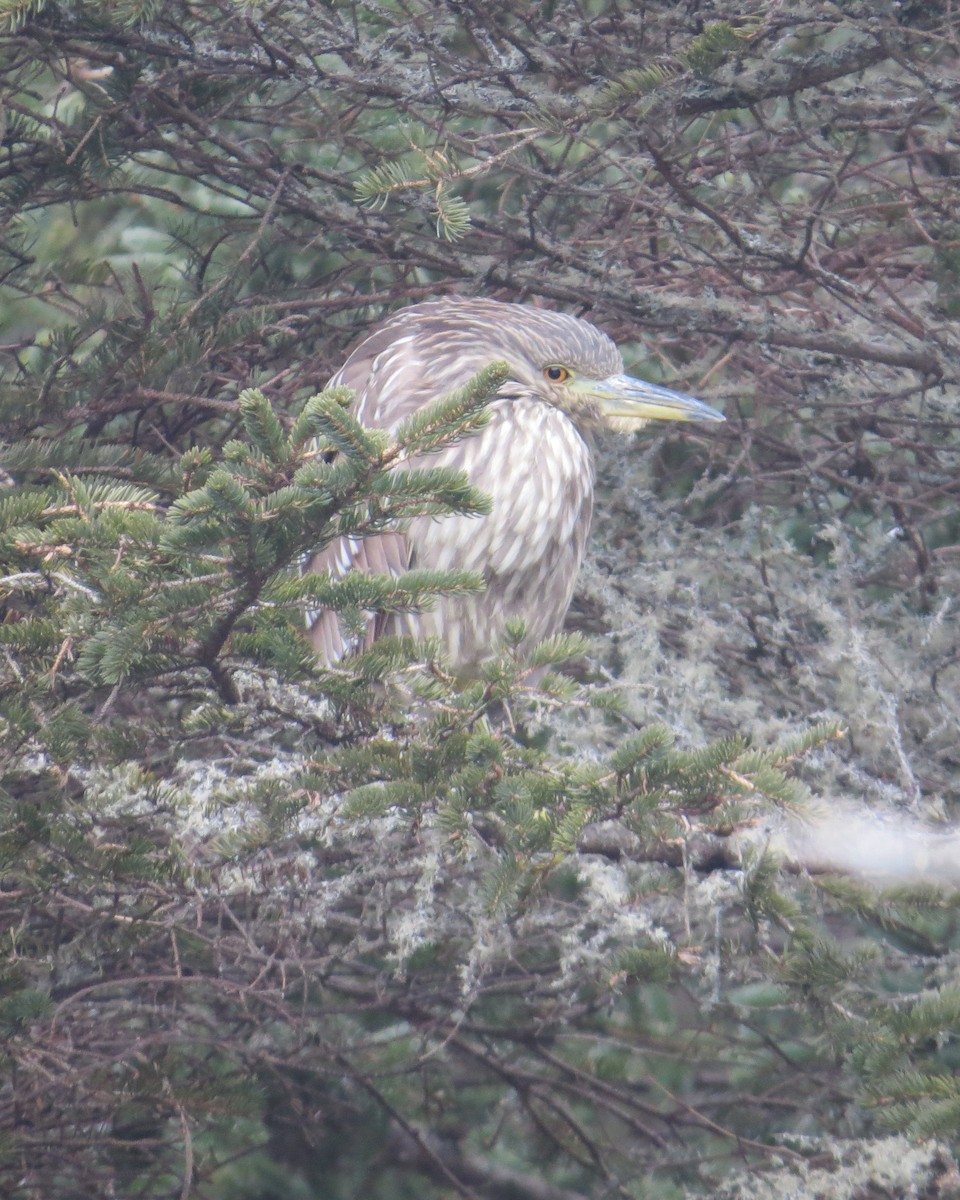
x,y
556,374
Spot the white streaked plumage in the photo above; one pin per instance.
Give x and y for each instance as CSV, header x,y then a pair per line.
x,y
533,460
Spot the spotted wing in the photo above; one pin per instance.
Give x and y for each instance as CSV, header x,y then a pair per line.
x,y
380,554
386,376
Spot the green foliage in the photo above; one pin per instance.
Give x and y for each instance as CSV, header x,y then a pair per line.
x,y
18,1009
419,170
430,760
713,46
636,82
909,1065
376,930
703,55
13,13
146,589
151,624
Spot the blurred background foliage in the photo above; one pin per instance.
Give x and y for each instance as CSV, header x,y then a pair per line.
x,y
275,931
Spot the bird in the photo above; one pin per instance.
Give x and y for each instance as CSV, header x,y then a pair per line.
x,y
533,458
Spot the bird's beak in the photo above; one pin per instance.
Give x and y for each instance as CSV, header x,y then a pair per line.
x,y
626,401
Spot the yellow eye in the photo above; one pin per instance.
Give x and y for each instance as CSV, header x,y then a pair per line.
x,y
556,374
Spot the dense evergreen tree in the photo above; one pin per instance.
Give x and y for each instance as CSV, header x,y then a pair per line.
x,y
553,931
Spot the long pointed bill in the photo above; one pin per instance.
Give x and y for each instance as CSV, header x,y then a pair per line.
x,y
623,398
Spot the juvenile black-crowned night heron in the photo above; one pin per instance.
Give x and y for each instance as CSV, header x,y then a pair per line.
x,y
533,459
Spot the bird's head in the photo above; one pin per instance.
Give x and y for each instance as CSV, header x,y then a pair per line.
x,y
617,401
577,368
432,348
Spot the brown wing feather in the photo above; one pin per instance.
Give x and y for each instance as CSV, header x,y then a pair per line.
x,y
381,554
372,375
